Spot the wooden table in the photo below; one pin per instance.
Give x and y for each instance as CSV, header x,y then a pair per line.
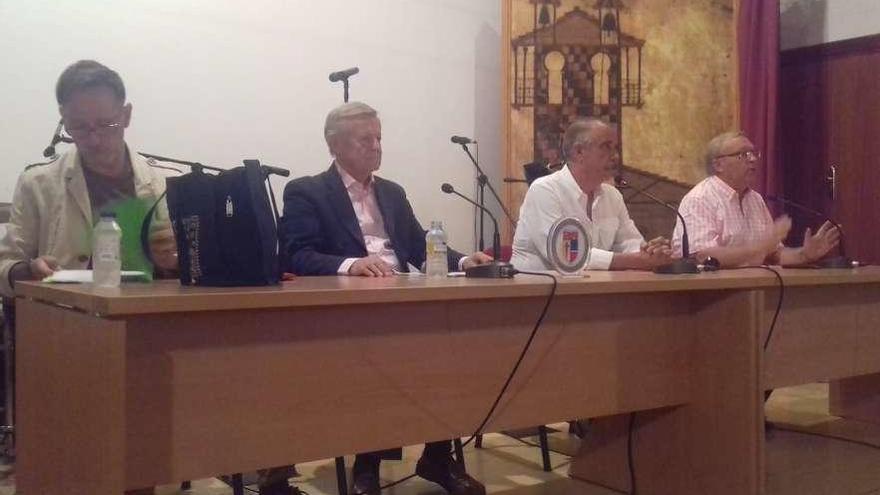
x,y
149,384
827,330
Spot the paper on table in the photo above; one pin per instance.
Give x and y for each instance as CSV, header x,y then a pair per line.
x,y
85,276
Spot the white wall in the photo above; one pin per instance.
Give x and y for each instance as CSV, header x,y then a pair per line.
x,y
221,80
812,22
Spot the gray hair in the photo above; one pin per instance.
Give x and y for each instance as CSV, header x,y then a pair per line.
x,y
713,149
345,112
86,74
580,131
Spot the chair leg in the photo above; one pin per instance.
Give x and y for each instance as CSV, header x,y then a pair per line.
x,y
545,450
237,484
576,428
341,482
459,452
186,485
478,442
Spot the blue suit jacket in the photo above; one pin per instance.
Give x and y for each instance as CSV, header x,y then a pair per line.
x,y
319,228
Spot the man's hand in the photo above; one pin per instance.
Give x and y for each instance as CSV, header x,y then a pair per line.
x,y
370,266
163,247
657,246
818,245
42,266
658,256
478,258
777,234
642,260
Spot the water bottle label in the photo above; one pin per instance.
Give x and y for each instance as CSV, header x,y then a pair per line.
x,y
107,250
436,248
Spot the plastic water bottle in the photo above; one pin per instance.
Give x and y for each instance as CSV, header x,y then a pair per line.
x,y
435,251
106,261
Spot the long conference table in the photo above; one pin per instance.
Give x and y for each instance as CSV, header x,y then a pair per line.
x,y
156,383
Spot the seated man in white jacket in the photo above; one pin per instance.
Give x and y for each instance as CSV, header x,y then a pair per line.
x,y
580,190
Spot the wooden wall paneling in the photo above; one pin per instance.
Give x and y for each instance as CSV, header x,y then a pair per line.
x,y
830,115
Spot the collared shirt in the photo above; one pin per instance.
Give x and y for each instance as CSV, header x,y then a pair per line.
x,y
369,217
557,196
716,215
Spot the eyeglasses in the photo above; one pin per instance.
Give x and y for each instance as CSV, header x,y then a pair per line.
x,y
102,130
749,156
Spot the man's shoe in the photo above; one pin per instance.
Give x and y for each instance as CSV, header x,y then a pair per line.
x,y
278,488
365,481
450,475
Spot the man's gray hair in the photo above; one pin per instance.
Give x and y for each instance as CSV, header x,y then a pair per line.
x,y
713,149
86,74
346,111
580,131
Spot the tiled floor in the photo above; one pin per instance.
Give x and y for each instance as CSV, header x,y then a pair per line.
x,y
798,463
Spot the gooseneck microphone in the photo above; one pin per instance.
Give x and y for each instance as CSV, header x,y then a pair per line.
x,y
497,268
685,264
462,140
840,261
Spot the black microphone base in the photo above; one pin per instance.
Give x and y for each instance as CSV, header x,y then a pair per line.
x,y
678,266
495,269
836,262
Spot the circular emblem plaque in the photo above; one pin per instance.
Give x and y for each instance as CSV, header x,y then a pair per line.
x,y
568,245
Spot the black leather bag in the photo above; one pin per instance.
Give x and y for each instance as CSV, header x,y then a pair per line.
x,y
224,227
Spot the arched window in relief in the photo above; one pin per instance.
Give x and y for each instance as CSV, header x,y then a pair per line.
x,y
554,62
601,65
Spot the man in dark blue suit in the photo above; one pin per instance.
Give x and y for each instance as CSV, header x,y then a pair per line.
x,y
346,221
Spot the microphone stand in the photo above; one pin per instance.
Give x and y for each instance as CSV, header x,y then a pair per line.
x,y
482,180
491,189
344,88
685,264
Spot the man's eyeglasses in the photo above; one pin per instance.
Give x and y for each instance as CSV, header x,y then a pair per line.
x,y
102,130
749,156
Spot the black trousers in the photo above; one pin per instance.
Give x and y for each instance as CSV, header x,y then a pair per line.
x,y
370,460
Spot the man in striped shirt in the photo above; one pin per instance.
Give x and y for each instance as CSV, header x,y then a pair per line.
x,y
728,221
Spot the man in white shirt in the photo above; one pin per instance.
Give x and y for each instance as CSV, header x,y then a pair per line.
x,y
580,190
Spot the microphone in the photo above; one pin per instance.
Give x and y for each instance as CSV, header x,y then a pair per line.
x,y
497,268
462,140
840,261
343,74
49,152
685,264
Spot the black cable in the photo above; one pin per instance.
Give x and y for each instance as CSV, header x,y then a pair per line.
x,y
778,301
861,443
629,454
510,376
522,354
778,304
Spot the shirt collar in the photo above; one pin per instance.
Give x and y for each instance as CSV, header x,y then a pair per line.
x,y
348,181
568,181
724,188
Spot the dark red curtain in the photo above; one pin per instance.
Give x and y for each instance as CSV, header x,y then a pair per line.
x,y
758,50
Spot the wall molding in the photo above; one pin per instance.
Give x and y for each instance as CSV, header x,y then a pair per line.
x,y
824,51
